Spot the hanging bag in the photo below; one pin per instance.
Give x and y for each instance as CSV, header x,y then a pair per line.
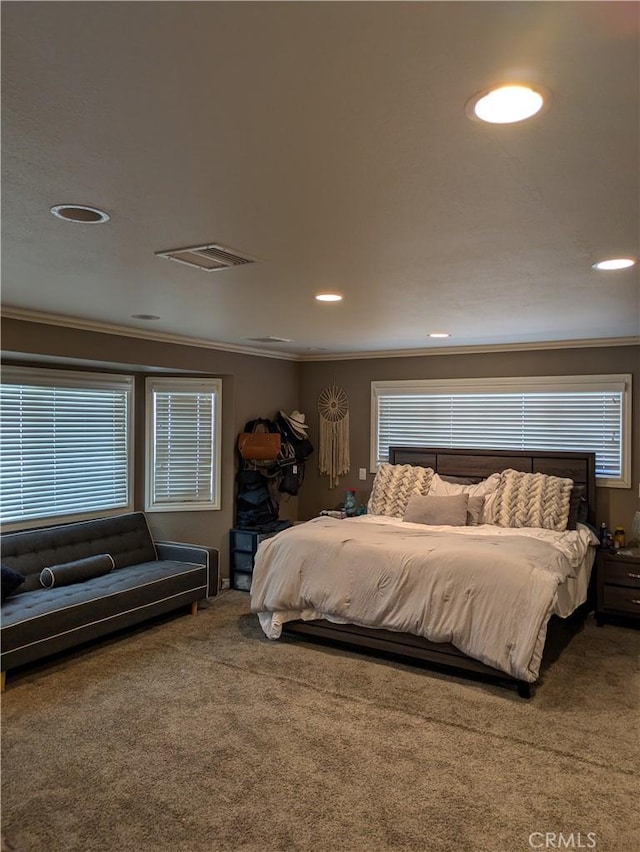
x,y
259,445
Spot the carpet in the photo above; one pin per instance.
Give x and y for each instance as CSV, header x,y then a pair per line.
x,y
197,733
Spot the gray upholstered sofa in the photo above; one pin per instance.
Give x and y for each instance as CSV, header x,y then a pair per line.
x,y
143,579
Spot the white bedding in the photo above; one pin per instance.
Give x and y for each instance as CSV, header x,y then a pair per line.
x,y
487,590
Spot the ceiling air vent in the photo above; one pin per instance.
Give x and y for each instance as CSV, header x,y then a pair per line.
x,y
211,257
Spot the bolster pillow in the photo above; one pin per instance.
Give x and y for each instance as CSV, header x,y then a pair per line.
x,y
77,571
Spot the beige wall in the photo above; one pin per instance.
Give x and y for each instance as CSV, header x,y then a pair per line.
x,y
252,387
615,506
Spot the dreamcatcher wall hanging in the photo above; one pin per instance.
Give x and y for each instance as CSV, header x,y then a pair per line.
x,y
333,408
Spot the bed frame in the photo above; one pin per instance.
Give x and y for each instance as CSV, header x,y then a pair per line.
x,y
476,464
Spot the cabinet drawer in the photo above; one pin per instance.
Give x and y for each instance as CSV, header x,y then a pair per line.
x,y
621,573
621,599
243,561
244,540
241,581
248,540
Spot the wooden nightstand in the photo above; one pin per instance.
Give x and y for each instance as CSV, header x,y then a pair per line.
x,y
618,586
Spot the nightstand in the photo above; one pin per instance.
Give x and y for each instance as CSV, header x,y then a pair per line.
x,y
618,586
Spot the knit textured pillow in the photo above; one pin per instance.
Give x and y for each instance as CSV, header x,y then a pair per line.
x,y
394,484
532,500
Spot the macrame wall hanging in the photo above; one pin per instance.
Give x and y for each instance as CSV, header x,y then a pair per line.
x,y
333,408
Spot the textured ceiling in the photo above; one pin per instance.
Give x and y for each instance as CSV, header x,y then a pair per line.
x,y
329,141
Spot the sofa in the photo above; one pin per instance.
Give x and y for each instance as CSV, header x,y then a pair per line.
x,y
87,579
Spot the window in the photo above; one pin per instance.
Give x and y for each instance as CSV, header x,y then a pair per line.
x,y
183,444
552,413
65,446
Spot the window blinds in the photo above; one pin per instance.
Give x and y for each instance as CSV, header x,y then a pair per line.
x,y
183,458
64,443
561,418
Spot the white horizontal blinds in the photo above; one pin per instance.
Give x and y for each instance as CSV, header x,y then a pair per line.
x,y
556,420
183,459
64,444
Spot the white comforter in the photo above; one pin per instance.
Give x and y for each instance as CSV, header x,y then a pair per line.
x,y
487,590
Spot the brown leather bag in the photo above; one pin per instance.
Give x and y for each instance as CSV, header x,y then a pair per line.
x,y
259,446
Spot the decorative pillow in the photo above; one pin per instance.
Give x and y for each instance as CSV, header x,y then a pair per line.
x,y
10,581
394,484
77,571
532,500
486,489
435,511
474,511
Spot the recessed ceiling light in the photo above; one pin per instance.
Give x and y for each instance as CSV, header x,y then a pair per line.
x,y
439,334
144,316
79,213
329,297
505,104
615,263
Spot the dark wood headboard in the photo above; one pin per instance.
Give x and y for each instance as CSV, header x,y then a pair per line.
x,y
480,463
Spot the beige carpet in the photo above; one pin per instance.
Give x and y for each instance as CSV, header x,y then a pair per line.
x,y
200,734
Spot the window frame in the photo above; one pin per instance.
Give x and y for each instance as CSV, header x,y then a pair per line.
x,y
621,382
183,385
69,379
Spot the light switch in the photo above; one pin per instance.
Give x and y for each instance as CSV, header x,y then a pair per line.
x,y
363,473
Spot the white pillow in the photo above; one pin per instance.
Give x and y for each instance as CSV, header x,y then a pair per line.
x,y
487,489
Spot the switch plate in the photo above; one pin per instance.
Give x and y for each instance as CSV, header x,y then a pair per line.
x,y
363,473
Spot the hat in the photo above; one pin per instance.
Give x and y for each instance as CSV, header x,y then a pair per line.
x,y
296,421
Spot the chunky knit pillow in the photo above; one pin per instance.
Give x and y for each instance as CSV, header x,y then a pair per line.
x,y
394,484
532,500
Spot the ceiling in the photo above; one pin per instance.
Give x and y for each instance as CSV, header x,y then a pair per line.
x,y
328,141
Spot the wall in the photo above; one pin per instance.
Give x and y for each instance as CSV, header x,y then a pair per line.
x,y
256,386
252,387
615,505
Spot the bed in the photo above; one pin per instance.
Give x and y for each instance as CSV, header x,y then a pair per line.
x,y
484,598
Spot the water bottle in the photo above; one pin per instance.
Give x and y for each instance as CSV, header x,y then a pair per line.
x,y
604,535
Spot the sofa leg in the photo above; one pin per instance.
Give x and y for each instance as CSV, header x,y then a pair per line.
x,y
3,681
194,609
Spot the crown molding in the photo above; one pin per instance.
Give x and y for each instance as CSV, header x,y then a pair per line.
x,y
140,333
473,350
165,337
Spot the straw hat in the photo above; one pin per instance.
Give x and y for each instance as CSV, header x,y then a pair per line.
x,y
296,421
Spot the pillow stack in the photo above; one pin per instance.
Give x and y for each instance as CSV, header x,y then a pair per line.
x,y
480,494
508,499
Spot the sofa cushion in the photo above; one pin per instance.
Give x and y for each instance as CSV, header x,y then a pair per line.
x,y
64,616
